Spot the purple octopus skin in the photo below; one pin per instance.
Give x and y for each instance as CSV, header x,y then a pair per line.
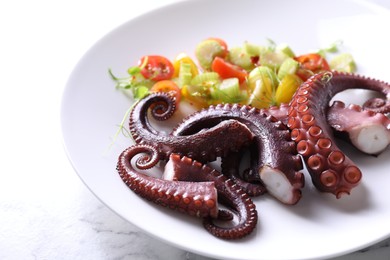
x,y
277,163
204,146
229,194
366,130
194,198
248,180
330,169
279,112
379,105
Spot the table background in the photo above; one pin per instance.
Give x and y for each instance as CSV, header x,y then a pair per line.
x,y
46,212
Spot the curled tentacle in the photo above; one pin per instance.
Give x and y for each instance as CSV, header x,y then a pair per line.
x,y
278,164
368,131
194,198
229,194
378,105
205,146
340,81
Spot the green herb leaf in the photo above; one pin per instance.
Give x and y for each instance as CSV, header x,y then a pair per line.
x,y
140,92
134,70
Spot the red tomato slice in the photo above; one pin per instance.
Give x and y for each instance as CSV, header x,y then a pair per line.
x,y
223,45
227,70
167,86
156,68
313,62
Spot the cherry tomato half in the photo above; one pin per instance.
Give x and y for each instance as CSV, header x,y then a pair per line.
x,y
167,86
156,68
227,70
313,62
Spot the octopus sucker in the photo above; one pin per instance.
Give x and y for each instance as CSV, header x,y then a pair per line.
x,y
185,169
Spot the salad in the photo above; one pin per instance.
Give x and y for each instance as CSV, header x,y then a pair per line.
x,y
251,74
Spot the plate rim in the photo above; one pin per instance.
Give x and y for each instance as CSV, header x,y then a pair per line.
x,y
63,105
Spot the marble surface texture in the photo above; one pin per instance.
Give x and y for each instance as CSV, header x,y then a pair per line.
x,y
46,212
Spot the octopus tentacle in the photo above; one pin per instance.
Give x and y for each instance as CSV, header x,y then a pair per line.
x,y
368,131
278,163
194,198
331,170
340,81
379,105
204,146
229,194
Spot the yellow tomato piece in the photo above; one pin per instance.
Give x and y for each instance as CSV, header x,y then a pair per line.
x,y
287,88
184,58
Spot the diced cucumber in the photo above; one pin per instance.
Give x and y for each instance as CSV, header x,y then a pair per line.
x,y
272,59
289,66
343,62
205,78
228,91
252,50
240,57
206,51
185,75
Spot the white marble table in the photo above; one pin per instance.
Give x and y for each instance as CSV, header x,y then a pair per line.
x,y
46,212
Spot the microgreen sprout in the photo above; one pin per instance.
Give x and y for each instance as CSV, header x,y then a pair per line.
x,y
139,87
134,82
326,77
271,44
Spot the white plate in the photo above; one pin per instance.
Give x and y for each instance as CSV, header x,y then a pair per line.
x,y
319,226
